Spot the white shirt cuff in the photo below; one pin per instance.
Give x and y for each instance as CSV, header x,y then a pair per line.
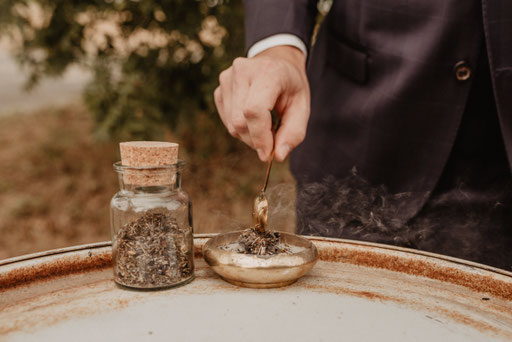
x,y
277,40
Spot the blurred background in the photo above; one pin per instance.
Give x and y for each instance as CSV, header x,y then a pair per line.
x,y
77,77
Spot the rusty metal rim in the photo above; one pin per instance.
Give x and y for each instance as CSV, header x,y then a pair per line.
x,y
57,251
314,238
416,252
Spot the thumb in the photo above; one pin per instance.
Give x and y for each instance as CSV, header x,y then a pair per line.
x,y
293,127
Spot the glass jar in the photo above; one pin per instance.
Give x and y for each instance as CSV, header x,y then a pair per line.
x,y
151,226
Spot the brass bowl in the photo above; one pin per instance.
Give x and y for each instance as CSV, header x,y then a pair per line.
x,y
260,271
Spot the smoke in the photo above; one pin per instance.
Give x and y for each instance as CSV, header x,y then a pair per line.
x,y
217,221
281,216
472,225
352,208
223,218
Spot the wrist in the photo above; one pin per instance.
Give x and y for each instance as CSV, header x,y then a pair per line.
x,y
291,54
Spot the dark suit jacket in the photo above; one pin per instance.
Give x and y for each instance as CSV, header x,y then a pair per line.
x,y
384,94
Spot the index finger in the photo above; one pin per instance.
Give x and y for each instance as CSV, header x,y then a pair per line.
x,y
261,99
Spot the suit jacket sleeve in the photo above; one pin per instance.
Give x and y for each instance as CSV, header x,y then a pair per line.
x,y
264,18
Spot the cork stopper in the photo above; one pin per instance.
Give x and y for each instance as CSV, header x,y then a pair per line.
x,y
148,154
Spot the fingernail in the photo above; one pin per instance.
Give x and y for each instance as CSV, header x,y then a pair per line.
x,y
283,152
261,155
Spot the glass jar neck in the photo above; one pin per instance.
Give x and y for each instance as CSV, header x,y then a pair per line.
x,y
173,184
150,179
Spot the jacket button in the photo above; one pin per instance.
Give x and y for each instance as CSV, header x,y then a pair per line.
x,y
462,71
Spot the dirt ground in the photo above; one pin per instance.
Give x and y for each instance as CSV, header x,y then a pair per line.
x,y
56,183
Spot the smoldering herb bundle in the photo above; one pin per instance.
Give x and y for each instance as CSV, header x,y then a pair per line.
x,y
251,241
153,251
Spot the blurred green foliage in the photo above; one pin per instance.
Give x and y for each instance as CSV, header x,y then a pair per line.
x,y
154,63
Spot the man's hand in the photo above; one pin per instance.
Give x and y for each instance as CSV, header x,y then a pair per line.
x,y
252,87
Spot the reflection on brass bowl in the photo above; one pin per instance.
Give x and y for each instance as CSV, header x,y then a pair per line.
x,y
260,271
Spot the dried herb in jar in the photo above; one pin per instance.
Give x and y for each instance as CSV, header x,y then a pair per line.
x,y
152,251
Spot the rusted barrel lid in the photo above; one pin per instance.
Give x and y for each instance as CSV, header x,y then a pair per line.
x,y
356,292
